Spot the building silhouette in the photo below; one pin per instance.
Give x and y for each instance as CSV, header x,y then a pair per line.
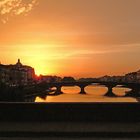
x,y
17,74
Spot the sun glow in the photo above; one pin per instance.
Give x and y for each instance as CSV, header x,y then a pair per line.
x,y
37,55
42,70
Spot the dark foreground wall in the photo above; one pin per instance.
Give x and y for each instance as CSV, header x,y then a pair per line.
x,y
70,121
123,112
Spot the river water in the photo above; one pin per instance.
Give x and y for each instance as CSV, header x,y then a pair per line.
x,y
95,93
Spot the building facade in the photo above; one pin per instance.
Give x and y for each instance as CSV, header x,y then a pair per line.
x,y
17,74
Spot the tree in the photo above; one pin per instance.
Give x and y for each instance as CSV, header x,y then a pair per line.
x,y
68,79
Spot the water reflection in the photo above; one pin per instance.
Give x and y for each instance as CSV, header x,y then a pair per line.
x,y
94,94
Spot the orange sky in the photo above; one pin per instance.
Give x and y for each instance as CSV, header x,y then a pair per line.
x,y
82,38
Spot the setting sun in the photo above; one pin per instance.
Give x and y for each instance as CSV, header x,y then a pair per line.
x,y
37,57
41,69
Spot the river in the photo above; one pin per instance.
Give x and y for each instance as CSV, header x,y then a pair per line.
x,y
95,93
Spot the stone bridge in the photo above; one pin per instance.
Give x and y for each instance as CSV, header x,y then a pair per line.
x,y
135,87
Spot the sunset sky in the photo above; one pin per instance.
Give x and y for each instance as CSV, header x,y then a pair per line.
x,y
81,38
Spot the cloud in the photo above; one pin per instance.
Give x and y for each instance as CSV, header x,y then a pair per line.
x,y
10,8
86,53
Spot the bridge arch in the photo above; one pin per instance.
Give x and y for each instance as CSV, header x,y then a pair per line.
x,y
96,89
121,91
71,89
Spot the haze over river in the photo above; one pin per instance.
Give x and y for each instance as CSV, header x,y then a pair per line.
x,y
95,93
